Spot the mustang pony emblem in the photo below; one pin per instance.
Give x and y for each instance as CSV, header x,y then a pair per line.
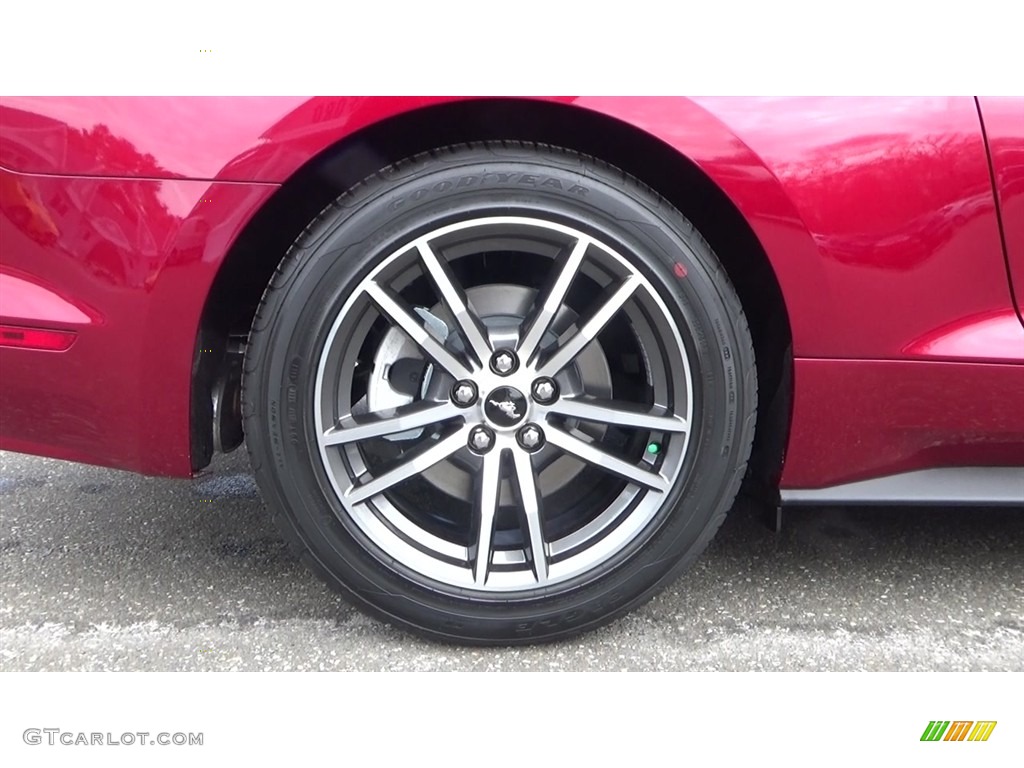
x,y
507,407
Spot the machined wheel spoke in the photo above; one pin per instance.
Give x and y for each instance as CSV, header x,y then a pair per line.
x,y
364,427
616,412
412,465
453,295
568,351
552,300
591,454
488,485
530,513
393,307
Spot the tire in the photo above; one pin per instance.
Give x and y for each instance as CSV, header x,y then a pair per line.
x,y
436,436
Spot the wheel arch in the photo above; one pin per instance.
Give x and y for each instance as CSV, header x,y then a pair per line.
x,y
672,145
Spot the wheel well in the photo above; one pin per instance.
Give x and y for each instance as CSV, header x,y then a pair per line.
x,y
248,266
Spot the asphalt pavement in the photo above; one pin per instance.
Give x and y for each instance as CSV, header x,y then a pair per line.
x,y
105,570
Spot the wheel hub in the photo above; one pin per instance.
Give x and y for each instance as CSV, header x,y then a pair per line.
x,y
505,407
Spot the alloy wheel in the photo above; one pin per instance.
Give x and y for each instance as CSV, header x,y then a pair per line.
x,y
502,404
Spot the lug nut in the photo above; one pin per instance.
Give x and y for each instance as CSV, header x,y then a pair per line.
x,y
464,393
545,391
503,362
530,437
481,439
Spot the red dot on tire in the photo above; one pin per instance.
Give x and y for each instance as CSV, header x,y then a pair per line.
x,y
680,270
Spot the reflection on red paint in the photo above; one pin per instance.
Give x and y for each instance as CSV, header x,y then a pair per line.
x,y
19,202
992,336
24,298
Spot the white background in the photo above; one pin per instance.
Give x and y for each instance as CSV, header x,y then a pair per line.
x,y
503,47
517,719
513,47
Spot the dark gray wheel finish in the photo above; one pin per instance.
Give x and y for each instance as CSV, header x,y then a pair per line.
x,y
499,393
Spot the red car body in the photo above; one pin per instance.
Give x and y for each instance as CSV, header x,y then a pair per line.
x,y
894,228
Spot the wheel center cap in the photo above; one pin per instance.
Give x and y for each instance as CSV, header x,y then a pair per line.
x,y
505,406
